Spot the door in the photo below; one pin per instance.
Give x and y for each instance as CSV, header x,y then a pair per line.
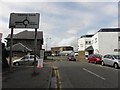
x,y
110,60
105,60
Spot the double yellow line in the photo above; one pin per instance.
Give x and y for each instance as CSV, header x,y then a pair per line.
x,y
58,83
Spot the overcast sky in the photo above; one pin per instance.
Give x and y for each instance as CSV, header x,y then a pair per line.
x,y
63,22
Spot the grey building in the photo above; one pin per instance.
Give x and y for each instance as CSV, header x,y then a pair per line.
x,y
25,41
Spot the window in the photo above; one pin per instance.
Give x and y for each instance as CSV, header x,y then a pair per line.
x,y
116,50
92,42
95,40
110,57
118,38
87,42
106,56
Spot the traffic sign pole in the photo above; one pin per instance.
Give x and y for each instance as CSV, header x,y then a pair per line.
x,y
10,61
24,20
35,52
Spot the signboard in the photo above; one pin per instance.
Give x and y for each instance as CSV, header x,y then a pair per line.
x,y
24,20
42,54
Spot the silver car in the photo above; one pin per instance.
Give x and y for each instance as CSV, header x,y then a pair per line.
x,y
112,60
26,60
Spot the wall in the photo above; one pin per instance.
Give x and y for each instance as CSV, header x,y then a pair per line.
x,y
108,42
81,55
105,43
95,43
81,44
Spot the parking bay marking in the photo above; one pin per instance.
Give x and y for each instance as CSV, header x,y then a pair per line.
x,y
94,74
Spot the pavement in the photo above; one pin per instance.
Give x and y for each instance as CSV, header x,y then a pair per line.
x,y
28,77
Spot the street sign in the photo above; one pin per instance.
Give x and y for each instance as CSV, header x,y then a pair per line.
x,y
24,20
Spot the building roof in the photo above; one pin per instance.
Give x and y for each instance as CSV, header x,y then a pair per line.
x,y
27,35
83,36
62,47
19,47
109,30
89,48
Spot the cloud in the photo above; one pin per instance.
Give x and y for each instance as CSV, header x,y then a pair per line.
x,y
63,22
66,41
60,0
91,32
110,9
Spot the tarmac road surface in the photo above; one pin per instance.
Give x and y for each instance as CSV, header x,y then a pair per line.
x,y
86,75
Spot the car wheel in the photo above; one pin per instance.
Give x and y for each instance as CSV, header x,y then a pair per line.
x,y
89,61
116,65
102,63
17,64
95,62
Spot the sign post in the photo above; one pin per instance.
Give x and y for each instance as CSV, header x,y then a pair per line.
x,y
24,20
1,36
10,62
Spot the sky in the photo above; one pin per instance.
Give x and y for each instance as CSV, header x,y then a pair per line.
x,y
62,22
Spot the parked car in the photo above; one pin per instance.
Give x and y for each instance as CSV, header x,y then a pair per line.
x,y
96,58
112,60
26,60
71,58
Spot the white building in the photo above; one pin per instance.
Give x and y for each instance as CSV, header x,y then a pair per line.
x,y
106,41
84,43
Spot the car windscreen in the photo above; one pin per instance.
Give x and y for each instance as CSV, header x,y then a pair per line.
x,y
98,56
117,56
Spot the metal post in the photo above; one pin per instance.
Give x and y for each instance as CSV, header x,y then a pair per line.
x,y
35,46
10,61
46,43
35,52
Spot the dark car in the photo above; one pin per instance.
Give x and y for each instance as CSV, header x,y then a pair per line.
x,y
71,58
96,58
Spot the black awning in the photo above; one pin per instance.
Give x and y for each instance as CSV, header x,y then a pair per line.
x,y
89,48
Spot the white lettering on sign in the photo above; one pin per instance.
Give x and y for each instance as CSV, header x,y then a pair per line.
x,y
24,20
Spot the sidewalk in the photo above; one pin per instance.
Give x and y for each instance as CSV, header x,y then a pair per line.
x,y
23,77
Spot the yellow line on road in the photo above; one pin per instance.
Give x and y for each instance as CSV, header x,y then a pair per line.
x,y
59,79
58,83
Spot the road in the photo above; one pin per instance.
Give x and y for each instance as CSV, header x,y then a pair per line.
x,y
0,74
86,75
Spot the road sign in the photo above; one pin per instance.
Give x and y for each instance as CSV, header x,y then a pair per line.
x,y
24,20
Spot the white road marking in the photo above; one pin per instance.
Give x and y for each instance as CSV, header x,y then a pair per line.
x,y
94,74
105,67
